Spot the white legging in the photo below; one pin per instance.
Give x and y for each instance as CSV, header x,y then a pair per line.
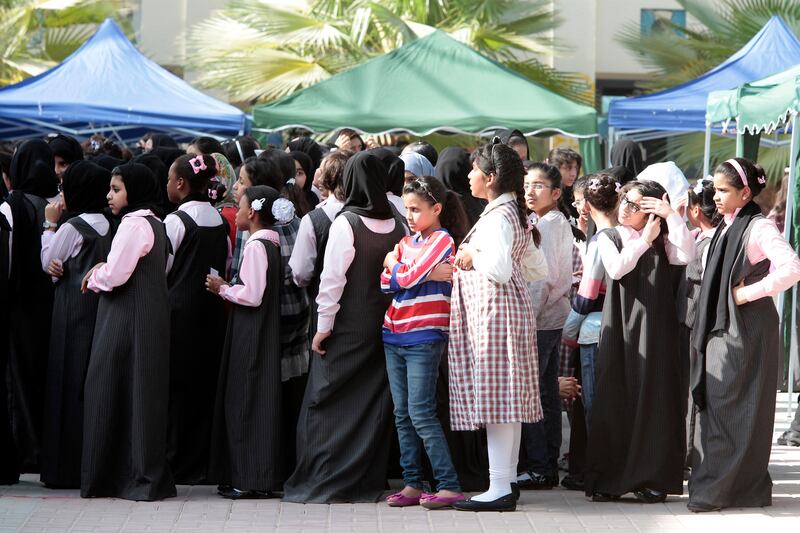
x,y
503,443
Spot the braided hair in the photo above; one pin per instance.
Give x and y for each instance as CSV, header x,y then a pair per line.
x,y
504,162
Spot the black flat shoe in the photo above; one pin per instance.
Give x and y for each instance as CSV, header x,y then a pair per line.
x,y
789,438
538,482
701,507
603,497
504,503
650,496
235,494
571,482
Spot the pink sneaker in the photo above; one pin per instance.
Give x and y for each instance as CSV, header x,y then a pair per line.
x,y
432,501
398,499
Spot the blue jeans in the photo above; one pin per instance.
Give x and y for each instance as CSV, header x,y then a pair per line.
x,y
413,371
543,439
588,355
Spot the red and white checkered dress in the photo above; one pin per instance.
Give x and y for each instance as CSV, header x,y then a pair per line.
x,y
494,371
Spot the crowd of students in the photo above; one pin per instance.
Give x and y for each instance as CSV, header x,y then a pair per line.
x,y
311,321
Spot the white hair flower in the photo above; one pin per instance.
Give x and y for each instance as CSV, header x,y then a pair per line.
x,y
698,188
283,210
257,204
617,187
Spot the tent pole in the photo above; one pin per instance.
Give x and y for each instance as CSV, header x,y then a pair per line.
x,y
787,232
739,142
612,137
706,151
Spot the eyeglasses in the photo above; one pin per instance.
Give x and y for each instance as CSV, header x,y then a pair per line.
x,y
632,206
538,187
577,204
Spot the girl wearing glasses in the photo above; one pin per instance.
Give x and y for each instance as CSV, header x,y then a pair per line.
x,y
637,433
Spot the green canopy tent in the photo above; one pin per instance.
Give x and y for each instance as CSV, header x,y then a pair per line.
x,y
764,106
433,84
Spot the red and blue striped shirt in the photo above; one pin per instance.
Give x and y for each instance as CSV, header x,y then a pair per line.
x,y
420,310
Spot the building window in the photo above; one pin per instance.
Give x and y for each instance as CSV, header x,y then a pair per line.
x,y
663,20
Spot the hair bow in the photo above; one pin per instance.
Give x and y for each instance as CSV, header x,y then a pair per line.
x,y
197,164
698,188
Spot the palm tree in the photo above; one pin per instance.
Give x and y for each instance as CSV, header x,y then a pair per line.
x,y
37,34
260,50
677,57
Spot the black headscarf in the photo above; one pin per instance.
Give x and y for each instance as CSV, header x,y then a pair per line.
x,y
621,173
308,146
163,140
108,162
507,134
141,186
395,170
167,155
32,169
712,304
627,154
85,185
161,172
308,167
365,195
66,147
453,170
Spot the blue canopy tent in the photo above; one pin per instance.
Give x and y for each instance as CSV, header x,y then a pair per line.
x,y
682,109
107,86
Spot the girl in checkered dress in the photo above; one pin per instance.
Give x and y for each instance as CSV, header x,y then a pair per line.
x,y
492,353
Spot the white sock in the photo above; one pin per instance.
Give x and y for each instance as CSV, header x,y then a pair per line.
x,y
503,444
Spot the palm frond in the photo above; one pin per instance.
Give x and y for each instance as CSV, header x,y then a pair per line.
x,y
62,41
687,152
571,86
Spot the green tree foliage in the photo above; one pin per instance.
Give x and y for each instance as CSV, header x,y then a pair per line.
x,y
37,34
260,50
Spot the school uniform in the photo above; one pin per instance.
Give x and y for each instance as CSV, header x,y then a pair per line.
x,y
735,370
306,264
687,305
30,298
493,363
9,462
199,239
80,243
637,436
127,382
247,441
345,421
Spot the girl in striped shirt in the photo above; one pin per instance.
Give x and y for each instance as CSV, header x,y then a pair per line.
x,y
415,336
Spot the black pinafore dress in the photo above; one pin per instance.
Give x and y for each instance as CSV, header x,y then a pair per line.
x,y
247,446
127,386
72,331
197,333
